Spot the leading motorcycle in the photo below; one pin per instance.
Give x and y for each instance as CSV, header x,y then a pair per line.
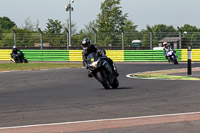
x,y
102,70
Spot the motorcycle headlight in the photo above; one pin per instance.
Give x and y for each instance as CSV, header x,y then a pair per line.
x,y
94,64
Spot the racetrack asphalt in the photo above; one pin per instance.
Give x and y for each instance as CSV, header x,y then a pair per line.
x,y
67,95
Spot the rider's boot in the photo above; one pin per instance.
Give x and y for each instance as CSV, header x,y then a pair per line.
x,y
90,74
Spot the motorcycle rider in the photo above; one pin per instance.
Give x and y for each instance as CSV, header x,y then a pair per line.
x,y
89,48
16,53
166,49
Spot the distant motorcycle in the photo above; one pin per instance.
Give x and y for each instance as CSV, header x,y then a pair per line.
x,y
97,68
171,56
18,58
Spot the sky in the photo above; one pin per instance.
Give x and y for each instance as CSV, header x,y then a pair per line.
x,y
141,12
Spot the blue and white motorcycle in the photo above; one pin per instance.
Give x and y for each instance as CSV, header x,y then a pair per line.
x,y
171,56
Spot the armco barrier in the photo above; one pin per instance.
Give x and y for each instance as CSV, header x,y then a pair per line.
x,y
146,55
5,54
46,55
75,55
115,55
195,55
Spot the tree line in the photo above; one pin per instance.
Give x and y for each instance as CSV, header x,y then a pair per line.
x,y
109,24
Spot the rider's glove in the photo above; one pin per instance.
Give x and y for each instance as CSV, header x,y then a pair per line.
x,y
86,66
100,52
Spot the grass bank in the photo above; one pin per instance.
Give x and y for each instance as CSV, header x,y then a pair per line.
x,y
36,66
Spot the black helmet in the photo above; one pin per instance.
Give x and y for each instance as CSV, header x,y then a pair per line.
x,y
86,43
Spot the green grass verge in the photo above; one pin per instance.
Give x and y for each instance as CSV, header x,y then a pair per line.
x,y
36,66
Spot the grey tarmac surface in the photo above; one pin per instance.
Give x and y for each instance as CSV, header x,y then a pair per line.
x,y
67,95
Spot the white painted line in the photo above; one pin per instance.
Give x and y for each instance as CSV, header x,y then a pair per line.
x,y
101,120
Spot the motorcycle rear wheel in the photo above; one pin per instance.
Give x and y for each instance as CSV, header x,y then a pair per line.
x,y
25,61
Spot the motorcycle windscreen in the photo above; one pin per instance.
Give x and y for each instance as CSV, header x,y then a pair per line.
x,y
92,57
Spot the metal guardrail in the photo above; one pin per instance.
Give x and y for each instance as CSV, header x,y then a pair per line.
x,y
115,55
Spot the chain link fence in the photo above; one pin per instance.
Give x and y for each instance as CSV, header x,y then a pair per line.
x,y
145,40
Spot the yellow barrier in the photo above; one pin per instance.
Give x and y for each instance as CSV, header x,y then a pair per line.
x,y
116,55
75,55
195,55
5,55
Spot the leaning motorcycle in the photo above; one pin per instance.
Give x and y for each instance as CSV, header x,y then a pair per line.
x,y
171,55
102,70
18,58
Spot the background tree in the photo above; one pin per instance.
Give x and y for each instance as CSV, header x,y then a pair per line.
x,y
73,26
111,18
53,26
161,31
189,28
6,23
191,33
28,25
111,21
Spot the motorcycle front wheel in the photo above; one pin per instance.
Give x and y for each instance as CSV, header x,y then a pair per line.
x,y
115,83
175,60
100,76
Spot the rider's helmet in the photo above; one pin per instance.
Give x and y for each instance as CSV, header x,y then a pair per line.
x,y
86,43
165,44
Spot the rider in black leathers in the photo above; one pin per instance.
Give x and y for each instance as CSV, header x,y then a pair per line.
x,y
16,53
88,48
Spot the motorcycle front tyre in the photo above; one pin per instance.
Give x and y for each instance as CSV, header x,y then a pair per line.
x,y
175,60
115,83
100,77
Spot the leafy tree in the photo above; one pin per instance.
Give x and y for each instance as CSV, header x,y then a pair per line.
x,y
111,18
130,32
28,24
163,28
111,22
189,28
89,28
161,31
53,26
37,25
6,23
73,26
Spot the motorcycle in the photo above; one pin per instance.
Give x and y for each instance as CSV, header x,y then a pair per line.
x,y
102,70
171,56
18,58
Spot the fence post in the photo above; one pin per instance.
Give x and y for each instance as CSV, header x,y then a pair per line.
x,y
180,38
15,37
67,38
151,39
95,38
189,60
41,38
122,39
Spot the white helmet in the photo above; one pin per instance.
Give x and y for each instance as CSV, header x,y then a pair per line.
x,y
164,43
